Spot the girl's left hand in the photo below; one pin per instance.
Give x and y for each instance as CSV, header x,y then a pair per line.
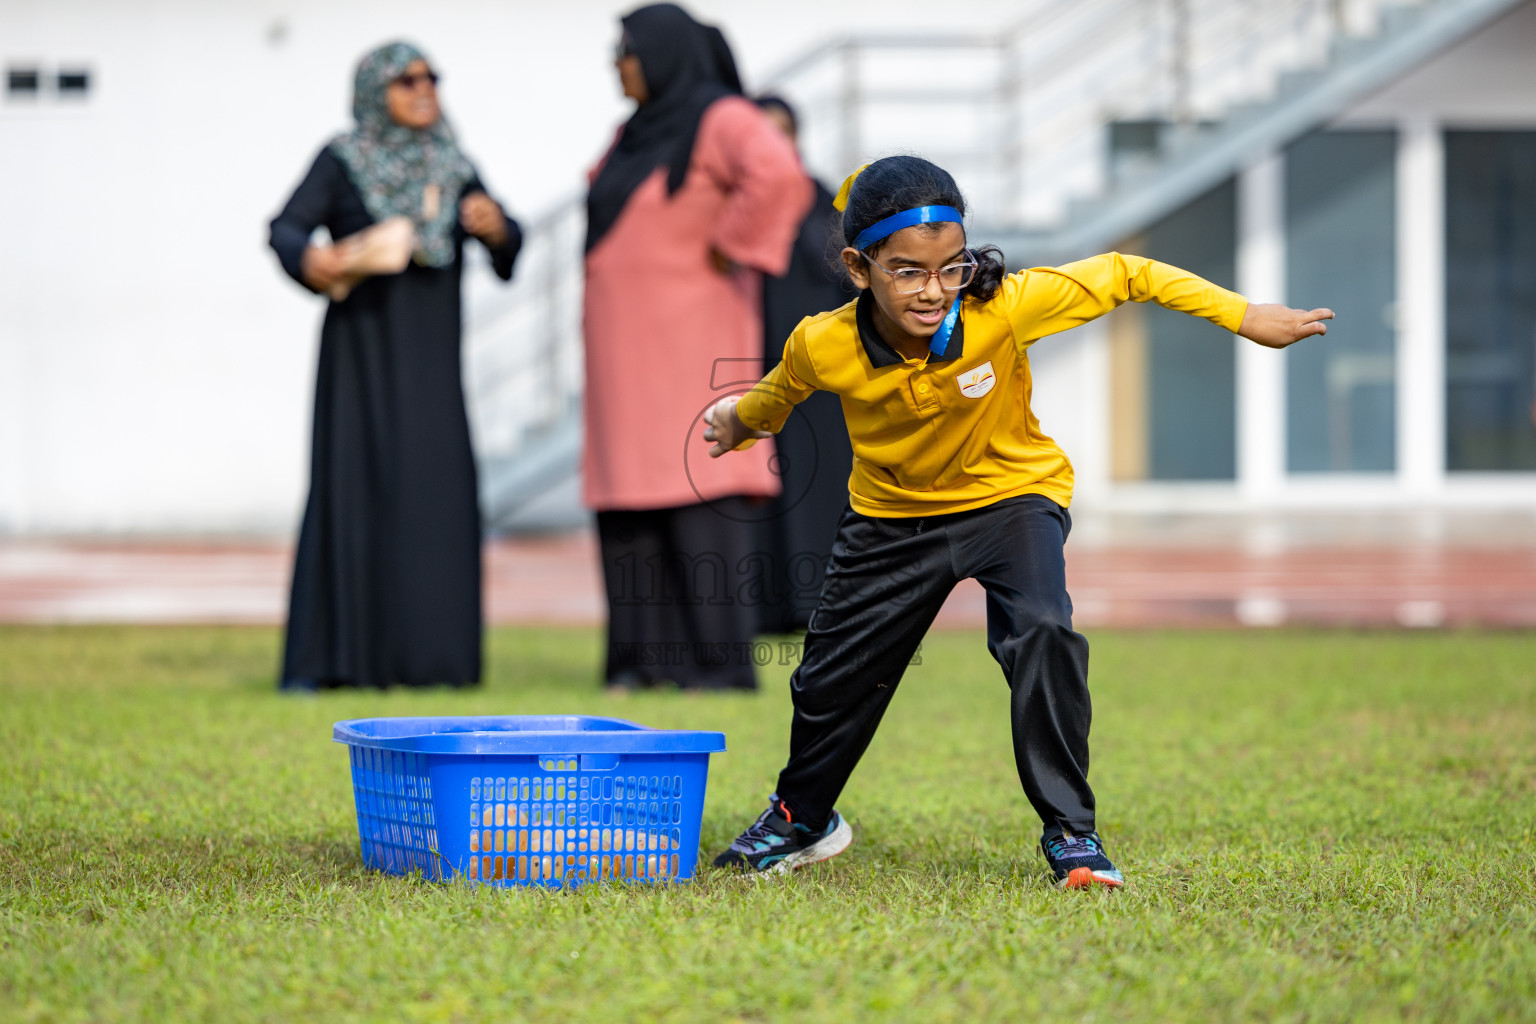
x,y
482,217
1275,326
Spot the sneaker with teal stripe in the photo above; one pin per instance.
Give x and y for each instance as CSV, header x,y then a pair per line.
x,y
1078,861
776,843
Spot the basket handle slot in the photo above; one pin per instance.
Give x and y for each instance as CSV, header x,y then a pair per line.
x,y
600,762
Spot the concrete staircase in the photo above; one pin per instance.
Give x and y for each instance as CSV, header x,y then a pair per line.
x,y
1189,158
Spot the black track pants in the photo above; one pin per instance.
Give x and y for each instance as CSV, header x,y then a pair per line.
x,y
886,581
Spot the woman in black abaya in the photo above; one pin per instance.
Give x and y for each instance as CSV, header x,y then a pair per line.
x,y
386,581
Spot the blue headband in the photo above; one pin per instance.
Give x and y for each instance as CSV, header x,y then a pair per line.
x,y
905,219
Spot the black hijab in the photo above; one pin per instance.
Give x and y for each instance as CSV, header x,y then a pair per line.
x,y
687,67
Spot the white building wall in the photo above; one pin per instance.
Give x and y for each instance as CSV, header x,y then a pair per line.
x,y
155,364
1486,81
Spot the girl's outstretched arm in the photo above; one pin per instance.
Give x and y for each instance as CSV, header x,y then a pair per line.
x,y
1275,326
737,422
1047,300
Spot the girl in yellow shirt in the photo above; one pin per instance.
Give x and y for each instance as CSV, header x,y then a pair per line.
x,y
952,479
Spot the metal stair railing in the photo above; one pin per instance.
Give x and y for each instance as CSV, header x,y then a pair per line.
x,y
523,367
1022,113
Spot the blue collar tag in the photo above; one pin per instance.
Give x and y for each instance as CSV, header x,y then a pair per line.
x,y
905,219
940,340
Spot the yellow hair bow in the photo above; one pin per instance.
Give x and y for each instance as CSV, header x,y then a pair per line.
x,y
841,202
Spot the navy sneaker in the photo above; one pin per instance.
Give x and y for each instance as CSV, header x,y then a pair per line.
x,y
776,844
1078,861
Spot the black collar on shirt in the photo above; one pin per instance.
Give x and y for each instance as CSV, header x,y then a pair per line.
x,y
880,354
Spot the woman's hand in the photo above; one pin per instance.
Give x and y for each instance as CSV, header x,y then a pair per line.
x,y
724,427
483,218
322,266
1275,326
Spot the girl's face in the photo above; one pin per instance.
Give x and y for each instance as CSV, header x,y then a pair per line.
x,y
411,99
916,315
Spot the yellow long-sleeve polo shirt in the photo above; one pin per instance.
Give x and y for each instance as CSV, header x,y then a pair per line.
x,y
954,432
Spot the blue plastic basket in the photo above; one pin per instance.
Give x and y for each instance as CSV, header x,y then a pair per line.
x,y
528,800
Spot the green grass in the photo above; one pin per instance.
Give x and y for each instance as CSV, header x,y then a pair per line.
x,y
1315,826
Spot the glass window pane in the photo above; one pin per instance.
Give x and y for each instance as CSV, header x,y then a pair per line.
x,y
22,81
1191,366
1490,300
1340,223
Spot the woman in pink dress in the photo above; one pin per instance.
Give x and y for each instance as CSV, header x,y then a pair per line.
x,y
698,196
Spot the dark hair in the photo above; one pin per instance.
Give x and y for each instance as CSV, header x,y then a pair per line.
x,y
897,183
773,101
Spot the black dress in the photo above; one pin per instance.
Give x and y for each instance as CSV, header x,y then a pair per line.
x,y
815,458
386,581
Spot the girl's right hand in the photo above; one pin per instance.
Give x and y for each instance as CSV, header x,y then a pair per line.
x,y
322,266
724,427
1275,325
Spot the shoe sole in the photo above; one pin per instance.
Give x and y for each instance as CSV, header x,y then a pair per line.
x,y
823,849
1087,878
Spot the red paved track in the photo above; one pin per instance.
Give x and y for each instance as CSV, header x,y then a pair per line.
x,y
1195,576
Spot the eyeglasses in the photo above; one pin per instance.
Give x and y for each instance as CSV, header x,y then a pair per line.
x,y
623,48
411,80
909,280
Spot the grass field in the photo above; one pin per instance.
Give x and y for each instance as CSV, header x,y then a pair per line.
x,y
1314,826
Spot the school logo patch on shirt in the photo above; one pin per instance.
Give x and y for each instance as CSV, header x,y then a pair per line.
x,y
976,383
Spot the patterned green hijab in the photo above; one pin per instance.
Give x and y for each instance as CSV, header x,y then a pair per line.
x,y
392,165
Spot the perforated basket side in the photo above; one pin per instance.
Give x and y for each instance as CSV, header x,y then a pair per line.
x,y
395,821
569,825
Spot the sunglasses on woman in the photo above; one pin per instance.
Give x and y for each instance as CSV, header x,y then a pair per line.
x,y
411,80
